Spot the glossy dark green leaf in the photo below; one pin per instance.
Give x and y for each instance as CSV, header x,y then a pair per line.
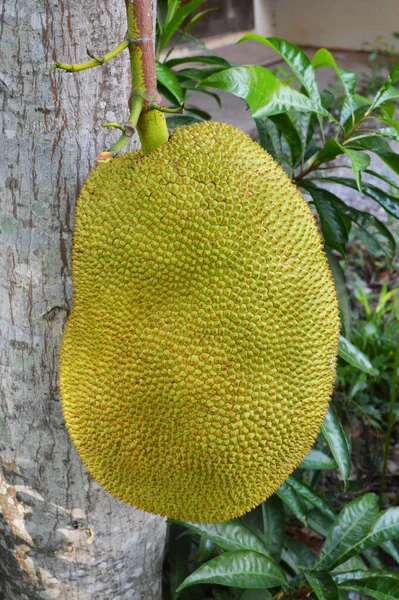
x,y
170,81
384,528
372,227
337,442
390,93
377,144
342,291
180,120
269,137
229,535
265,94
310,495
333,226
179,551
359,106
391,549
351,526
176,19
240,568
324,58
317,460
301,555
384,586
287,128
273,526
206,59
290,497
319,522
389,180
343,576
295,58
390,132
387,201
205,549
189,85
330,150
323,584
391,122
196,74
194,110
355,357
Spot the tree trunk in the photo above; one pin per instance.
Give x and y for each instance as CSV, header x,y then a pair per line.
x,y
62,536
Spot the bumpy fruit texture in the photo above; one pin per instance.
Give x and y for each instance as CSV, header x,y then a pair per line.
x,y
199,358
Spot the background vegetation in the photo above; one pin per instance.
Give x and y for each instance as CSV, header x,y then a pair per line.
x,y
329,532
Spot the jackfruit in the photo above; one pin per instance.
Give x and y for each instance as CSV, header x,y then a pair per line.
x,y
199,358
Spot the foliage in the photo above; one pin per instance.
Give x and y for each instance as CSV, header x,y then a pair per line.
x,y
179,77
300,543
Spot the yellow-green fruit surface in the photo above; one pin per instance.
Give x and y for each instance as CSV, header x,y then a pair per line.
x,y
199,358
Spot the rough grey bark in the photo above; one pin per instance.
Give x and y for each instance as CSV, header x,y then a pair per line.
x,y
61,535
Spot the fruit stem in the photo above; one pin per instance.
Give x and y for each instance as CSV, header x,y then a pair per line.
x,y
96,62
151,124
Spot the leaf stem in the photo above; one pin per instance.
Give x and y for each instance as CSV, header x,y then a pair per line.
x,y
96,62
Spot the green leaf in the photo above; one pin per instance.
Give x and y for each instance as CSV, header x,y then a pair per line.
x,y
359,105
324,58
273,526
387,201
384,528
240,568
229,535
354,356
373,227
169,80
189,85
179,551
384,586
205,549
343,576
287,128
207,59
310,495
342,290
269,137
389,180
176,18
391,549
338,443
352,525
293,501
333,226
179,120
323,584
319,522
265,94
330,150
295,58
376,143
317,460
301,555
360,162
389,93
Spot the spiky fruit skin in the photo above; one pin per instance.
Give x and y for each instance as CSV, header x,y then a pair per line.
x,y
199,358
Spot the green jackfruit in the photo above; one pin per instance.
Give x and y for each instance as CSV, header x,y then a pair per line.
x,y
199,358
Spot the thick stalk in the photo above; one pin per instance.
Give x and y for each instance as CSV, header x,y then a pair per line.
x,y
151,125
